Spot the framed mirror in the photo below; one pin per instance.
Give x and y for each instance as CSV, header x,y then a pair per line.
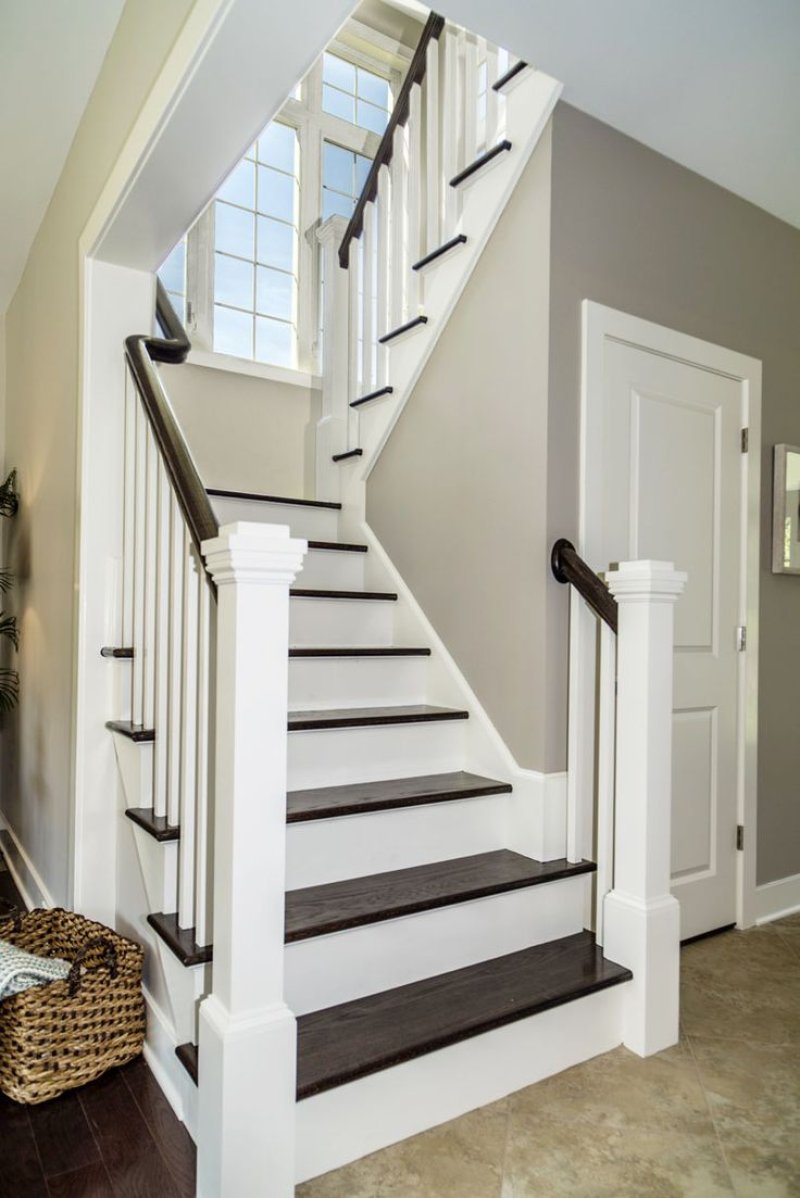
x,y
786,510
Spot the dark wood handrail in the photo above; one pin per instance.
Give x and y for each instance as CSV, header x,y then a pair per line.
x,y
568,566
415,74
142,352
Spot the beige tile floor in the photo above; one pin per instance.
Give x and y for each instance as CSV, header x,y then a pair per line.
x,y
718,1114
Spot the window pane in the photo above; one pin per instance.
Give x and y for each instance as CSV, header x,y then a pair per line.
x,y
276,243
172,272
276,194
234,230
334,204
275,342
342,74
370,117
233,332
275,293
337,168
179,304
337,103
362,170
277,146
233,282
239,187
373,88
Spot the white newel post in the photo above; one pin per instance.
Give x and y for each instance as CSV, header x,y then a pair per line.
x,y
641,918
332,427
247,1057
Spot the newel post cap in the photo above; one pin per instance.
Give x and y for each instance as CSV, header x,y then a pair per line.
x,y
332,230
645,580
254,553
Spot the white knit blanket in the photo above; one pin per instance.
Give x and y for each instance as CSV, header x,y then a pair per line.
x,y
19,970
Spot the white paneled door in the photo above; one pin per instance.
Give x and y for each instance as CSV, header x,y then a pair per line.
x,y
664,480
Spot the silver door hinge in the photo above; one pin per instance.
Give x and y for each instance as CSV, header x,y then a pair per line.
x,y
745,440
741,638
740,837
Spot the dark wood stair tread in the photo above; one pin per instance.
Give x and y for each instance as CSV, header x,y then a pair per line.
x,y
367,717
459,239
188,1057
326,802
480,162
362,399
346,1042
321,593
135,732
117,651
403,328
347,455
338,546
155,825
218,492
510,74
336,906
180,940
359,651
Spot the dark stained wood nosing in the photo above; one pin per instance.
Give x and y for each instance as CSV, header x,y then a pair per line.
x,y
349,651
370,717
356,403
155,825
355,902
460,239
337,546
273,499
403,328
188,1056
111,651
134,732
510,74
352,1040
359,798
480,162
321,593
347,455
399,115
180,940
568,566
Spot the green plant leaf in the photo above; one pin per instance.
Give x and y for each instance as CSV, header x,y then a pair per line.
x,y
9,499
8,628
9,689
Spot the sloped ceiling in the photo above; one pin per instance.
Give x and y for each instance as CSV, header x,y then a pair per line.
x,y
50,54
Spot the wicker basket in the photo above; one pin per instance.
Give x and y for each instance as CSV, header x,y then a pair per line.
x,y
66,1033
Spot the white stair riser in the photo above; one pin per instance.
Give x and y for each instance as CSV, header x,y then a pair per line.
x,y
327,970
334,757
356,681
332,569
336,623
330,850
351,1121
313,523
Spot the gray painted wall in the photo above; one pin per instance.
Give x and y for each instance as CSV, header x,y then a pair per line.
x,y
634,230
457,497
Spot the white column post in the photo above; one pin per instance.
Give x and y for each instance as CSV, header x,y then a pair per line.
x,y
332,427
641,918
247,1057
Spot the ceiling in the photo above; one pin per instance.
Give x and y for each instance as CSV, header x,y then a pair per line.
x,y
713,84
50,54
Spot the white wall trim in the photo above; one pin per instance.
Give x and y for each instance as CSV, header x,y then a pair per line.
x,y
775,900
599,324
257,370
160,1043
27,878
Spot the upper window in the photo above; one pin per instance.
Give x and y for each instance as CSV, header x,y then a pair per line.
x,y
344,173
354,94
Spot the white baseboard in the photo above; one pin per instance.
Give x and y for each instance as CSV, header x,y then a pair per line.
x,y
774,900
159,1053
27,878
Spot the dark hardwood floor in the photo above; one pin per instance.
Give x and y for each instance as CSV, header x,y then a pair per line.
x,y
115,1138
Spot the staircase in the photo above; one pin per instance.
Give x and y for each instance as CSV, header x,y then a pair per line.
x,y
365,917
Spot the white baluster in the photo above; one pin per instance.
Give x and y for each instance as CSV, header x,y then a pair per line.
x,y
642,918
354,359
470,145
188,745
383,215
163,632
580,731
369,309
177,556
248,1048
451,101
131,404
492,98
139,556
414,188
333,422
150,566
399,210
606,732
203,832
432,180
